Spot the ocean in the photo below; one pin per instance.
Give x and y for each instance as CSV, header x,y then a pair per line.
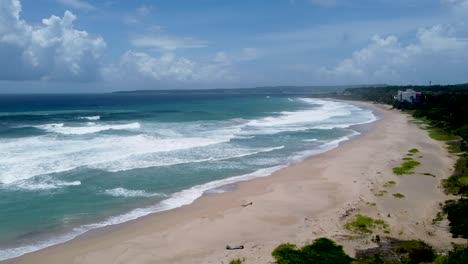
x,y
74,163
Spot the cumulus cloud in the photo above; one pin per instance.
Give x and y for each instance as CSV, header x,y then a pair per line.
x,y
167,68
77,4
436,53
54,50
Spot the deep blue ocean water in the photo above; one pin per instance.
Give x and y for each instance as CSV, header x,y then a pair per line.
x,y
73,163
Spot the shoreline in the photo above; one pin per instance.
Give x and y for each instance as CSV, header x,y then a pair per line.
x,y
280,205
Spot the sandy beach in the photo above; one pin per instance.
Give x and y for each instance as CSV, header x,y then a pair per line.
x,y
298,204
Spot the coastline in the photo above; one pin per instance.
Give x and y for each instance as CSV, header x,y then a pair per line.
x,y
288,206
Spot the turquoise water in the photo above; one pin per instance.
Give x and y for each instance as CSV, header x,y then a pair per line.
x,y
73,163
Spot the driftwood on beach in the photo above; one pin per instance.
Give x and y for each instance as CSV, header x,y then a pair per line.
x,y
234,247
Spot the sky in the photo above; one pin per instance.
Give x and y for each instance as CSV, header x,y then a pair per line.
x,y
74,46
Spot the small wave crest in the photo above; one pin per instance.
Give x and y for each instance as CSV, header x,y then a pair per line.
x,y
122,192
91,118
90,128
48,184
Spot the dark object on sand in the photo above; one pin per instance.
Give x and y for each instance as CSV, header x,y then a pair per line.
x,y
234,247
245,205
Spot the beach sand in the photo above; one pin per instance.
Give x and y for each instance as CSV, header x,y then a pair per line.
x,y
298,204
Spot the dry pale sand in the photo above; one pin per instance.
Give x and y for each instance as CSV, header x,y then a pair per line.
x,y
297,204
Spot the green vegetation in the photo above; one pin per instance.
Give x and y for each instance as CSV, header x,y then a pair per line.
x,y
321,251
440,135
236,261
398,195
407,159
428,174
459,255
413,151
381,193
390,251
457,214
389,184
458,183
364,224
406,168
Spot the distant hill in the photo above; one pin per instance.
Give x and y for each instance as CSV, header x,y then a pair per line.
x,y
269,90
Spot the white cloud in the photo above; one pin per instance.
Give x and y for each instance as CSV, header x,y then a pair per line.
x,y
54,50
435,54
167,43
139,13
77,4
245,54
167,68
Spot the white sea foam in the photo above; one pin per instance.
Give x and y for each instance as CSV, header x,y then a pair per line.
x,y
122,192
29,157
326,115
42,185
91,118
90,128
174,201
157,160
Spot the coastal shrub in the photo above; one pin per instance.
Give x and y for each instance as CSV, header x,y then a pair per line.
x,y
457,214
458,255
398,195
321,251
364,224
393,251
416,251
458,183
406,168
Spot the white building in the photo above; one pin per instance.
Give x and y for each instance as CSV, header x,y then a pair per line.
x,y
409,96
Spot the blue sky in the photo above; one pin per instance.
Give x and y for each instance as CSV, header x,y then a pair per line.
x,y
96,46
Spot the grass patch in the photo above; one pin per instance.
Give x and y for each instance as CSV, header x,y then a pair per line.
x,y
381,193
364,224
236,261
407,159
398,195
441,135
413,151
428,174
406,168
321,251
389,184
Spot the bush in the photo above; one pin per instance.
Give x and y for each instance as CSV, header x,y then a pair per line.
x,y
457,214
459,255
418,252
321,251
